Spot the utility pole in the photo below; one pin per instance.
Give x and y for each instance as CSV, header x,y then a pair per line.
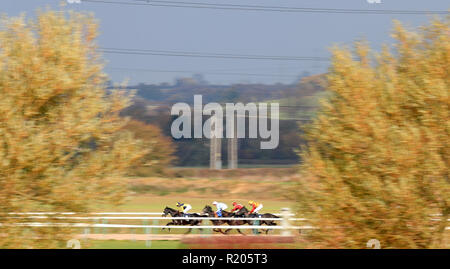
x,y
215,154
233,148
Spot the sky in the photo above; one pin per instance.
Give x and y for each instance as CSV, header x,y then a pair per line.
x,y
201,30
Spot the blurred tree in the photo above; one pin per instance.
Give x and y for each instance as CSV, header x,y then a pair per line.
x,y
377,162
160,148
62,143
231,95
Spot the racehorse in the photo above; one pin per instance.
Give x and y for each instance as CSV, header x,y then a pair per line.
x,y
244,212
175,213
210,212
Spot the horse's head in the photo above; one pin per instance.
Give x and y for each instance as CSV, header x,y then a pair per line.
x,y
167,211
207,210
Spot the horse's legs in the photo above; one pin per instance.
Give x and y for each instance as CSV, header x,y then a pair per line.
x,y
272,223
192,224
198,223
168,228
167,225
215,229
266,223
265,230
240,232
218,230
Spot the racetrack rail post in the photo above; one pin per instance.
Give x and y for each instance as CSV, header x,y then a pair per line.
x,y
255,223
285,213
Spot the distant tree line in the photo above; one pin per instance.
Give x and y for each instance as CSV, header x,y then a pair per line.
x,y
153,103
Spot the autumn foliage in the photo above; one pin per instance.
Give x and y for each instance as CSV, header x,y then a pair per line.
x,y
377,162
160,149
62,143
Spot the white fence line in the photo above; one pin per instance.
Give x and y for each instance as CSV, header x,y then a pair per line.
x,y
159,218
100,213
42,215
81,213
93,225
284,225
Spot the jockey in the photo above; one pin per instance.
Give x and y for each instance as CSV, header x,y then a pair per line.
x,y
236,208
220,207
255,207
186,208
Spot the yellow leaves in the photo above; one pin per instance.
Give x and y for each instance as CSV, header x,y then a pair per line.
x,y
62,146
159,148
377,158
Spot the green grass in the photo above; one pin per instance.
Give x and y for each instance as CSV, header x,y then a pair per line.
x,y
147,203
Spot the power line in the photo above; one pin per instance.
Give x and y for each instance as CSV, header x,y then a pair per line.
x,y
206,53
180,4
200,72
273,8
210,55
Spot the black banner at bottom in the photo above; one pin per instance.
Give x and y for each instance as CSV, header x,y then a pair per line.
x,y
198,258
